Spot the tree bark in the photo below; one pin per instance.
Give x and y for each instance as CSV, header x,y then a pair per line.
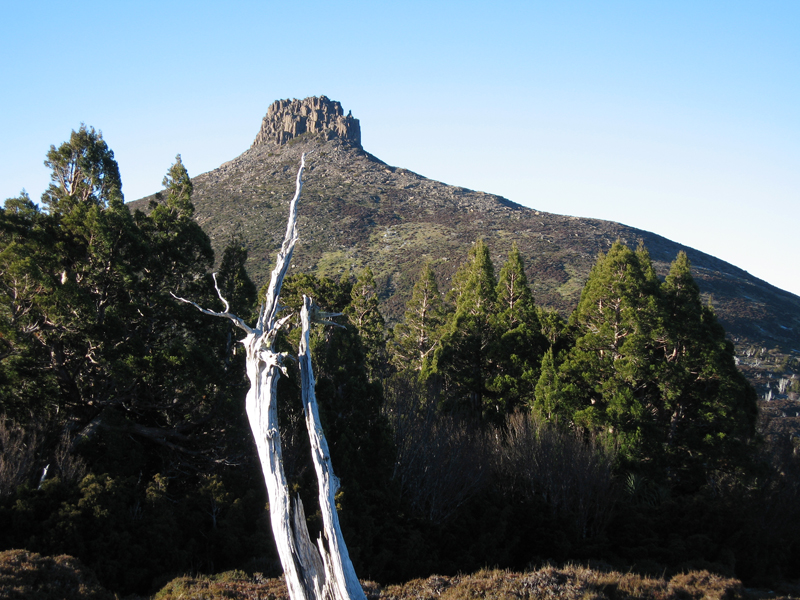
x,y
340,577
324,572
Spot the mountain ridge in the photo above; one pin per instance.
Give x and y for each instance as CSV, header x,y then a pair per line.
x,y
358,211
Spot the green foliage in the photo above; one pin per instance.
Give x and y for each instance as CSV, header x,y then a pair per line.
x,y
331,295
651,366
178,186
234,283
463,358
711,408
549,400
519,345
491,347
84,174
100,366
86,309
130,531
94,345
350,409
415,338
364,314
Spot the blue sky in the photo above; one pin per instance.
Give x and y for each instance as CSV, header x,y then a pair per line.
x,y
681,118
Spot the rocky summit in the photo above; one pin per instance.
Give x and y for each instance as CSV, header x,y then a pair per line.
x,y
287,119
357,211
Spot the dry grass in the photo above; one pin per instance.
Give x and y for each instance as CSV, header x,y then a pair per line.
x,y
232,584
569,583
27,575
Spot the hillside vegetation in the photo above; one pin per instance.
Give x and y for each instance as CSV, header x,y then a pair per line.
x,y
359,212
479,428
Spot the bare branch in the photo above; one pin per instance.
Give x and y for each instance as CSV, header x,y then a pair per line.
x,y
325,572
236,320
316,315
219,293
341,581
284,255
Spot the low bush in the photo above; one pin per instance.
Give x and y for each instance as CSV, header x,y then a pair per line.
x,y
28,576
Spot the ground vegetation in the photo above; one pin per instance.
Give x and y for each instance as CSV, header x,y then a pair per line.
x,y
484,429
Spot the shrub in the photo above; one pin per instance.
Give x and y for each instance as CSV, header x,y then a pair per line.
x,y
28,576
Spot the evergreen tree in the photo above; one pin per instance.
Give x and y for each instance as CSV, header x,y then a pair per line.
x,y
474,285
608,375
554,328
416,336
651,367
93,344
83,174
180,249
548,389
519,345
65,270
515,306
350,407
238,289
364,314
710,410
87,297
27,392
178,187
463,360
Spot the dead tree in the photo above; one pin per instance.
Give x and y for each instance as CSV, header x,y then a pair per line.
x,y
324,571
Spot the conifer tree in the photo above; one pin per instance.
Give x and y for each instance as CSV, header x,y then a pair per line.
x,y
365,315
182,249
236,287
350,408
83,174
515,305
651,367
548,389
234,282
474,285
709,410
463,359
26,390
519,345
608,373
178,187
86,285
416,336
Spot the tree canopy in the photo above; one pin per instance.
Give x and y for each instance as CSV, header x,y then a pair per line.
x,y
482,429
650,367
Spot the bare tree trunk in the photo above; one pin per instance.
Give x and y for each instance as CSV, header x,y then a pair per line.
x,y
324,572
339,573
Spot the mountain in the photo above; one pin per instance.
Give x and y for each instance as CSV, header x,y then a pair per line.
x,y
357,211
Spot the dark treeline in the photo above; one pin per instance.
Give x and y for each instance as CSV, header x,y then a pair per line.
x,y
481,430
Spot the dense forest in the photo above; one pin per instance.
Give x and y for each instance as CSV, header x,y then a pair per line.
x,y
481,430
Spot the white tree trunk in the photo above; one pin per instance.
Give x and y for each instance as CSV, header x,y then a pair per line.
x,y
324,572
340,577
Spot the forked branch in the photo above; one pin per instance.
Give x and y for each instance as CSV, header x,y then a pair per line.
x,y
324,572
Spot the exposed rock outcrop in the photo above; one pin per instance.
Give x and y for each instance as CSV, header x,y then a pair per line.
x,y
286,119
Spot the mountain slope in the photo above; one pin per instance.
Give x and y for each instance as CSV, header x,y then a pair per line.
x,y
357,211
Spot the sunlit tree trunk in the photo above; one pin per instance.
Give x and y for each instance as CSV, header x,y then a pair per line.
x,y
324,571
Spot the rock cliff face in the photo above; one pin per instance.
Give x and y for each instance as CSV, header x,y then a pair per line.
x,y
286,119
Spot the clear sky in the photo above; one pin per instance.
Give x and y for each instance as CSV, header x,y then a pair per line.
x,y
677,117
